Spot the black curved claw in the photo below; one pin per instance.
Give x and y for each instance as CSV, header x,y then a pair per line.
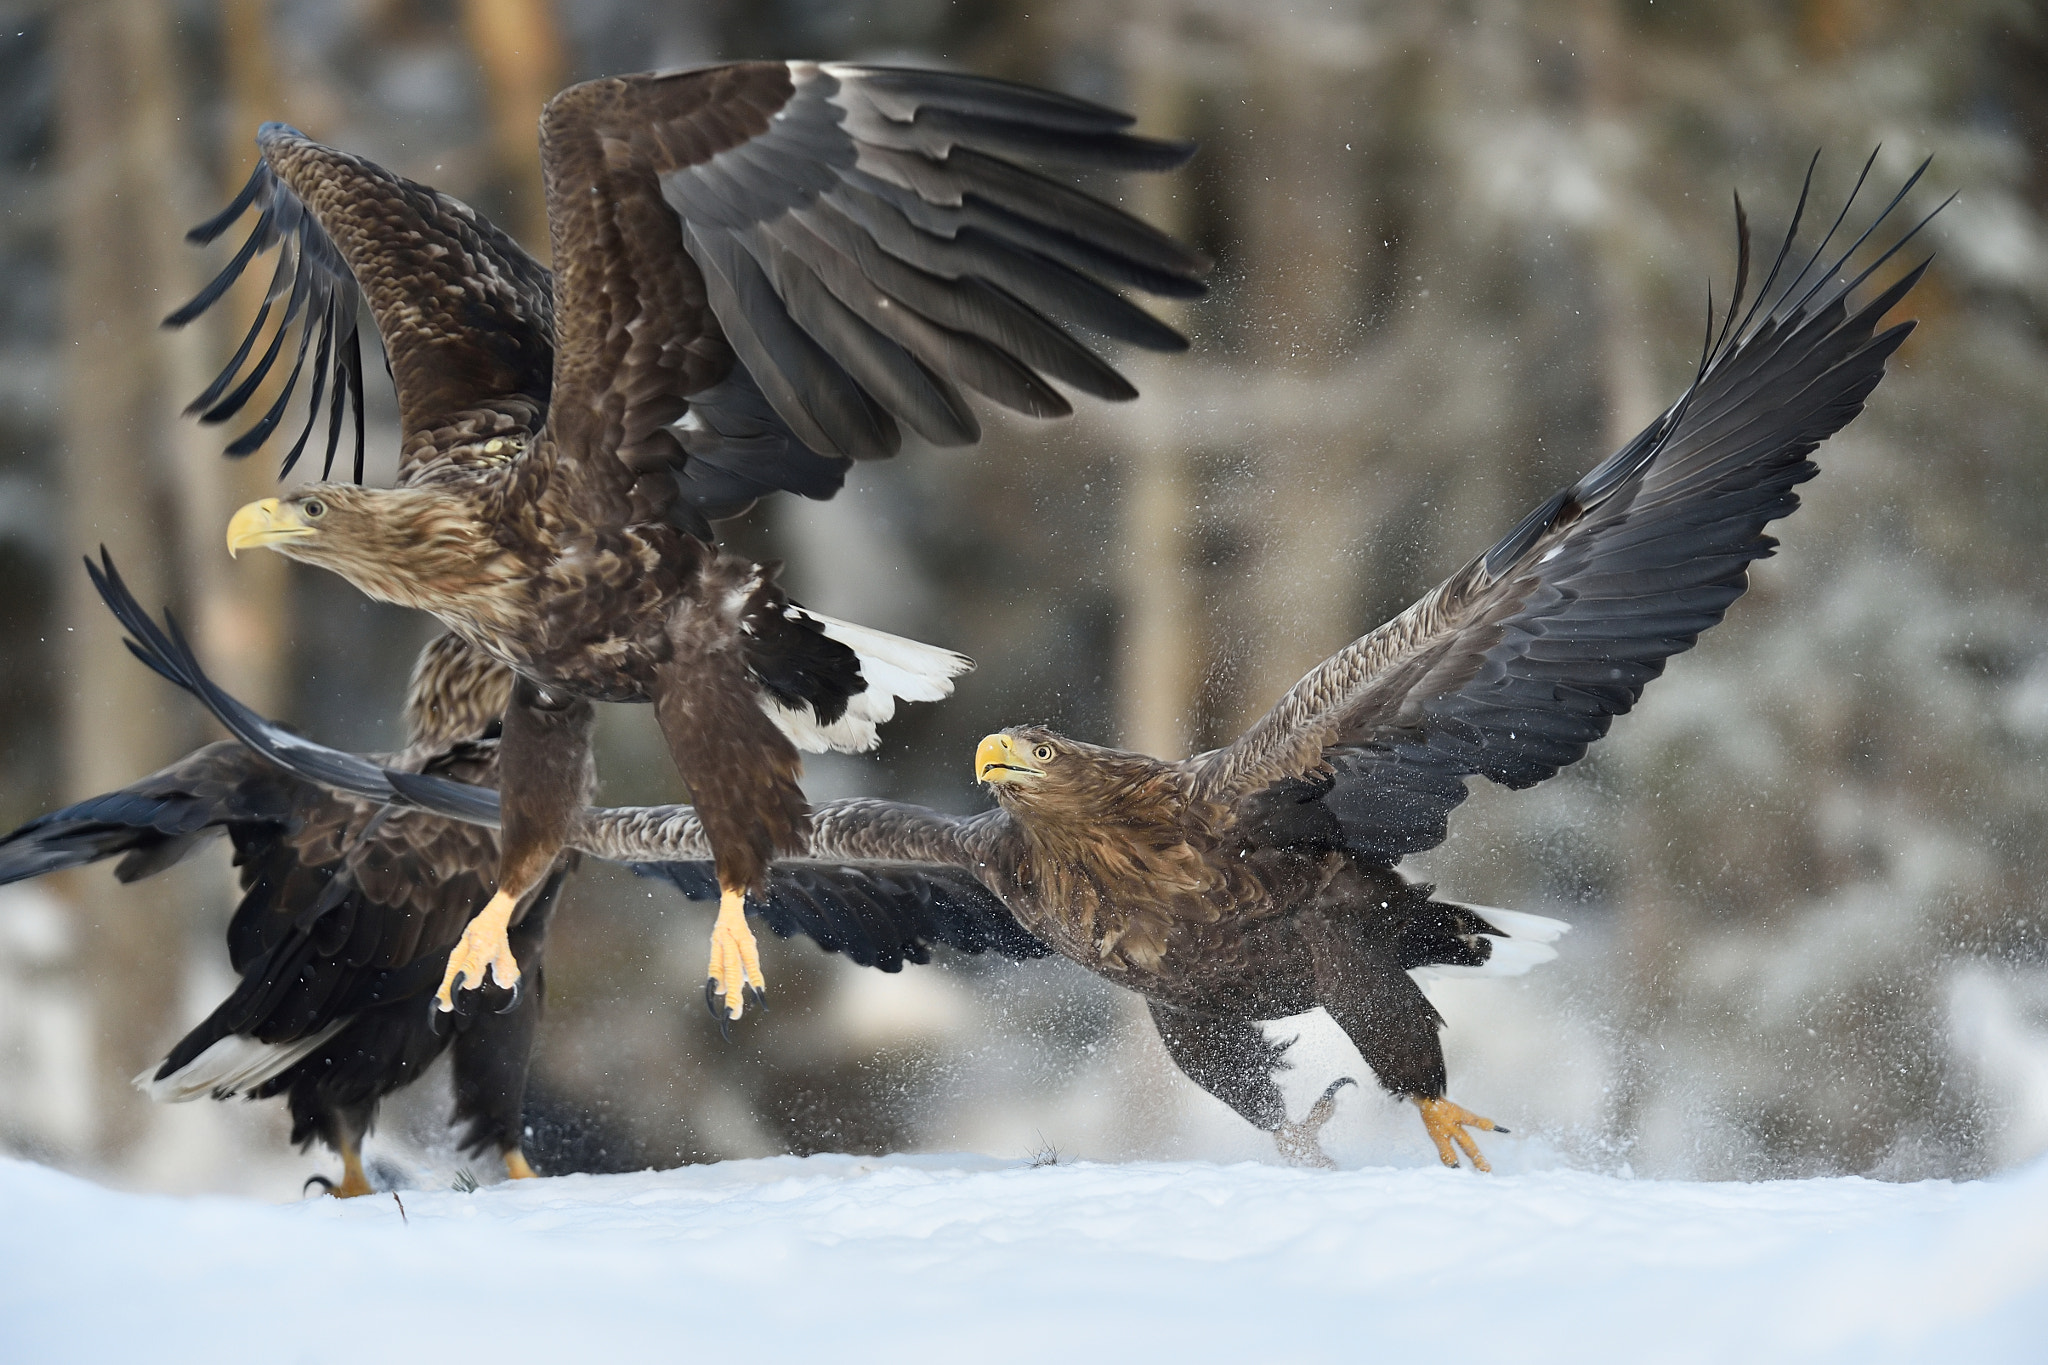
x,y
1330,1090
326,1185
755,997
512,1001
1324,1108
714,1000
1498,1129
436,1016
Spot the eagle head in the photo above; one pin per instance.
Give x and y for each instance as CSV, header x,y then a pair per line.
x,y
396,544
1020,757
1031,766
1115,850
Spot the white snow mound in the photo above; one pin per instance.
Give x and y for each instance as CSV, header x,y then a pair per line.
x,y
937,1258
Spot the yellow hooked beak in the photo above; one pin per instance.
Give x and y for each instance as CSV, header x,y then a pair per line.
x,y
997,759
264,522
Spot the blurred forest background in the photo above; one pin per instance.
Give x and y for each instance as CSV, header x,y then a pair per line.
x,y
1463,251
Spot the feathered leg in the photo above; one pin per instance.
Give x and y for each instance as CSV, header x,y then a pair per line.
x,y
493,1052
1235,1062
1392,1023
545,775
742,773
342,1127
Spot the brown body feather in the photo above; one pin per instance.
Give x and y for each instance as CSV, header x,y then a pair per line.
x,y
1116,860
1124,866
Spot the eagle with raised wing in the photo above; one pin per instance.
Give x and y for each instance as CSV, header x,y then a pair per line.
x,y
1259,880
762,272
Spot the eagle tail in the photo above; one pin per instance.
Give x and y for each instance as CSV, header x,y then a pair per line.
x,y
891,669
1517,941
230,1065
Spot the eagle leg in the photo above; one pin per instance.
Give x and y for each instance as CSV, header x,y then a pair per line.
x,y
516,1167
1446,1124
735,958
1298,1141
353,1181
482,948
544,774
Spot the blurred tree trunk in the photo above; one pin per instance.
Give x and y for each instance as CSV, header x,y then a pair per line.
x,y
1651,918
1620,257
520,49
114,405
1301,204
1162,632
155,489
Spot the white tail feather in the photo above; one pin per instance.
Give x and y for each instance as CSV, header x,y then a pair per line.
x,y
1522,925
1524,942
231,1065
894,668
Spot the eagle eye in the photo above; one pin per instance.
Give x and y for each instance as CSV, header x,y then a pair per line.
x,y
313,508
1043,753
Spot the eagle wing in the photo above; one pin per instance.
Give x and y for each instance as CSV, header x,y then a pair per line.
x,y
351,902
167,653
881,880
150,824
346,905
880,914
1521,659
466,316
794,257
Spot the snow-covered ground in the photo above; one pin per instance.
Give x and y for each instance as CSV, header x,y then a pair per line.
x,y
928,1258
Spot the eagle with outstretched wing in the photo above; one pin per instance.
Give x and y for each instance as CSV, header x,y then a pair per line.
x,y
349,909
351,903
1259,880
762,272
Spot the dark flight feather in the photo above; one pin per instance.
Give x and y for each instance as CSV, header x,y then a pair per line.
x,y
855,257
878,914
319,287
465,314
1518,663
842,244
165,651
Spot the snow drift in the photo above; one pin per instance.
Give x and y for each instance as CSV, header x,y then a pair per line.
x,y
921,1258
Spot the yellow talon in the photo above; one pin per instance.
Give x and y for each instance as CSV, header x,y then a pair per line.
x,y
354,1183
735,957
516,1167
482,948
1446,1123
